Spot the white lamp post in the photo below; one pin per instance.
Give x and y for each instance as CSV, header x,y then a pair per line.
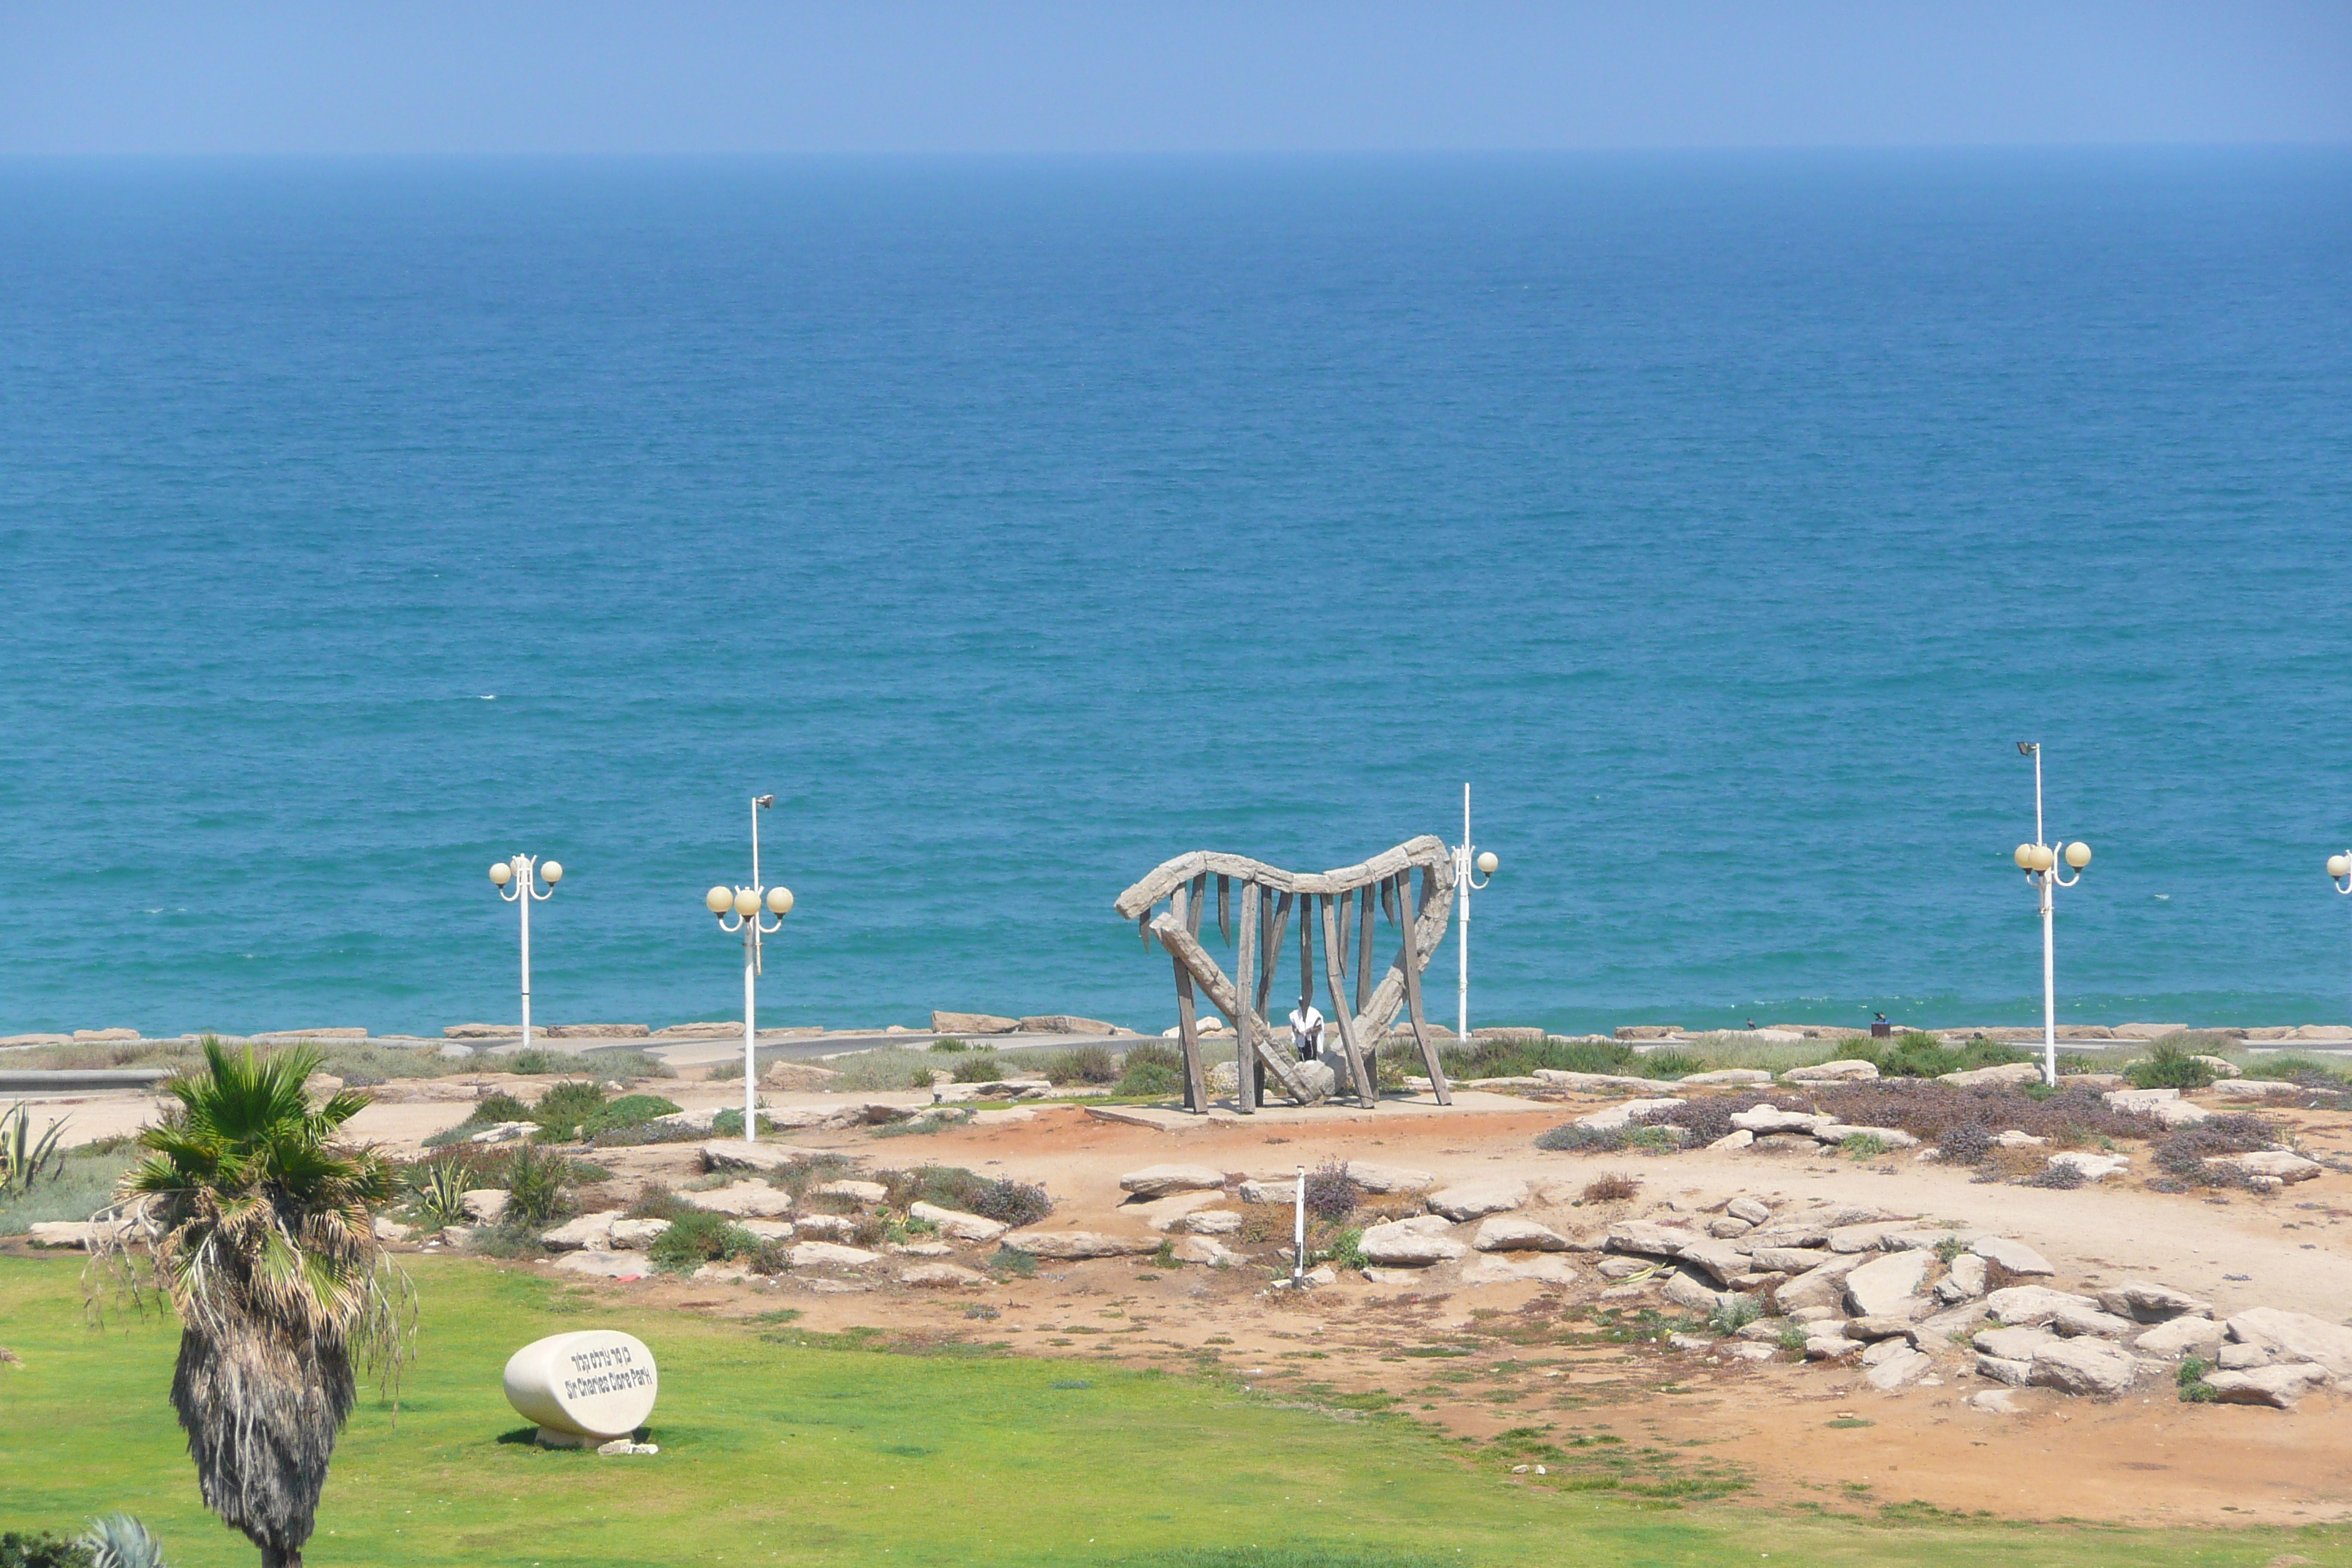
x,y
2039,862
2339,871
513,880
1465,863
744,904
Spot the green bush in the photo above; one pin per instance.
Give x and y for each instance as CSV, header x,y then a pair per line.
x,y
1150,1071
534,1181
1730,1317
1914,1054
981,1067
883,1070
2169,1064
1012,1203
41,1549
1081,1064
947,1043
2194,1389
696,1237
562,1110
500,1107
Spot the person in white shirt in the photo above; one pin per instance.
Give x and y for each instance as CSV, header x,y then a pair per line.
x,y
1306,1029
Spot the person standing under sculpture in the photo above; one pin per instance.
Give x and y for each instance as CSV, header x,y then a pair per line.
x,y
1306,1031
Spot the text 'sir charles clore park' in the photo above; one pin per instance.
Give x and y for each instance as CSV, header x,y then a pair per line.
x,y
994,589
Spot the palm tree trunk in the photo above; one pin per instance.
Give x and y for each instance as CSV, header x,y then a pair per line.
x,y
280,1559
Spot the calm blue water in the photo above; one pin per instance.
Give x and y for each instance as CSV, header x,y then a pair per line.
x,y
1724,519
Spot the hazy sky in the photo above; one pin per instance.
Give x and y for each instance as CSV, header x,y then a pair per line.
x,y
690,76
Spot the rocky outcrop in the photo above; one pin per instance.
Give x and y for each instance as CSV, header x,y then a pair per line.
x,y
956,1223
1886,1285
1072,1245
2295,1336
1474,1200
972,1024
1500,1234
1833,1072
2281,1387
2084,1366
1166,1181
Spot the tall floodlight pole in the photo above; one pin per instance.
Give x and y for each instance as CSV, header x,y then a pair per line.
x,y
744,904
2339,871
2039,862
1465,863
513,880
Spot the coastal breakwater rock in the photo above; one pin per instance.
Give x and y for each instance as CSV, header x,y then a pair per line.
x,y
972,1024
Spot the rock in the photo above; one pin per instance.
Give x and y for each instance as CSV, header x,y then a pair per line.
x,y
73,1234
1206,1250
2181,1336
1996,1402
2253,1087
2220,1066
2151,1302
1885,1285
1749,1209
1473,1200
1620,1115
1869,1236
722,1270
1074,1244
1763,1119
1727,1075
2094,1167
1593,1082
604,1265
1545,1268
1281,1190
1404,1247
765,1229
1740,1350
734,1154
590,1230
1687,1291
2243,1358
2139,1101
941,1276
1689,1342
1165,1181
1873,1329
1648,1031
743,1198
2178,1113
1210,1222
1897,1369
1833,1072
2084,1366
2013,1072
972,1024
2012,1345
2072,1321
1162,1214
2010,1256
861,1192
1717,1259
634,1235
830,1255
801,1076
1816,1315
1648,1237
1740,1139
2001,1369
1499,1235
2280,1387
2295,1336
1840,1133
1966,1280
2148,1031
956,1223
504,1133
1386,1179
2277,1162
1323,1275
2032,1306
827,1227
1065,1024
1831,1347
485,1204
1788,1259
2016,1139
1726,1227
1822,1286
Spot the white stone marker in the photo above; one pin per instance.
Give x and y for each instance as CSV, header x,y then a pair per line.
x,y
586,1388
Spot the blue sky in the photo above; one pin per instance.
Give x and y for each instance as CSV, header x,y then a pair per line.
x,y
885,76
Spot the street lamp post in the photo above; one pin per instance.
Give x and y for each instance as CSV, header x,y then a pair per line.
x,y
2339,871
744,904
2039,862
1467,862
513,880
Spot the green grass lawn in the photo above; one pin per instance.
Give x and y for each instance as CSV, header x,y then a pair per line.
x,y
775,1449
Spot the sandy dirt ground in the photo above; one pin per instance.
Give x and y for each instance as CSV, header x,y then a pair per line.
x,y
1528,1358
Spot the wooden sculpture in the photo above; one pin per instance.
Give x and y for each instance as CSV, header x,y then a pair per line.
x,y
1381,887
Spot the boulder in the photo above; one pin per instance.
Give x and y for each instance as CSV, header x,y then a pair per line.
x,y
1727,1229
636,1234
1206,1250
1822,1286
860,1192
2139,1101
1474,1200
1964,1282
2084,1366
972,1024
1873,1330
1738,1139
2014,1258
956,1223
2012,1138
1688,1292
2277,1163
1727,1076
830,1255
2243,1358
2281,1387
588,1230
825,1226
1386,1179
1165,1181
1995,1402
2295,1336
1407,1245
2253,1087
1648,1237
734,1154
1833,1072
2220,1066
1831,1347
1500,1234
1717,1259
1896,1370
2152,1303
1065,1024
504,1133
390,1229
1283,1190
602,1265
485,1204
1545,1268
941,1276
1887,1284
2001,1369
765,1229
1763,1119
73,1234
1840,1132
2033,1306
1209,1222
2012,1345
1074,1245
2181,1336
2094,1167
2072,1321
1870,1235
743,1198
2013,1072
1620,1115
1788,1259
1752,1210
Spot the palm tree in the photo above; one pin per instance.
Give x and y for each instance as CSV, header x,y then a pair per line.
x,y
255,1220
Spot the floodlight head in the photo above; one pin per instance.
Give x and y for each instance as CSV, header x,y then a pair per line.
x,y
763,801
2027,748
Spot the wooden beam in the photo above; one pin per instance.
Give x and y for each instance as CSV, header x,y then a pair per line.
x,y
1364,902
1221,993
1425,850
1246,974
1427,929
1225,916
1413,967
1272,953
1200,902
1184,909
1332,949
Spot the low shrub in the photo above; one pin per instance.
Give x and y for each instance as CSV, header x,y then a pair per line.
x,y
696,1237
1151,1071
887,1069
1569,1138
1615,1187
534,1184
2194,1389
980,1067
1965,1143
947,1043
1520,1058
1330,1192
1914,1054
42,1549
2307,1071
437,1191
1863,1146
2063,1178
2169,1064
1730,1317
2181,1156
562,1109
497,1108
945,1186
1012,1203
1081,1064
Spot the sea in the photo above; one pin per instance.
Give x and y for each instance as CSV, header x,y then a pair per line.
x,y
1724,520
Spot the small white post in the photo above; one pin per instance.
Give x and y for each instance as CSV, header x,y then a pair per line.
x,y
1299,1233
